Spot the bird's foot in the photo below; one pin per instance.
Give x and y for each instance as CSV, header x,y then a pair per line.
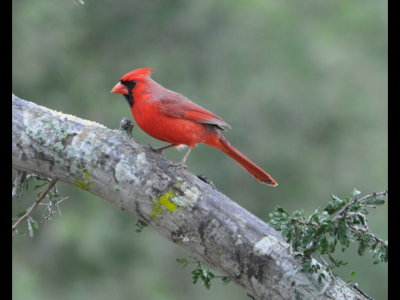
x,y
157,150
161,149
178,165
206,180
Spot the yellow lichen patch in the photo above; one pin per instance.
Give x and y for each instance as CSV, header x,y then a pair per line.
x,y
165,203
86,182
83,185
165,200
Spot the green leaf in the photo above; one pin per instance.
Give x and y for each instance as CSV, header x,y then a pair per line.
x,y
324,245
226,280
337,199
204,273
342,235
280,209
361,248
322,230
35,224
39,185
321,276
140,225
355,192
196,274
183,261
21,213
207,283
374,201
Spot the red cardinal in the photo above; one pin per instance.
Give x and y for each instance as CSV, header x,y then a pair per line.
x,y
173,118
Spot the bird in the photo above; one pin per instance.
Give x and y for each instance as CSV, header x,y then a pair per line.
x,y
173,118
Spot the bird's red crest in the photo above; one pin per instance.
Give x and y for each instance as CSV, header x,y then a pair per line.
x,y
137,74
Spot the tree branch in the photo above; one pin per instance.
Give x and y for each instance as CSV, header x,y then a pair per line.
x,y
16,191
180,206
340,214
35,204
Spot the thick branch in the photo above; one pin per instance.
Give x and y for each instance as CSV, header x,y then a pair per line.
x,y
182,207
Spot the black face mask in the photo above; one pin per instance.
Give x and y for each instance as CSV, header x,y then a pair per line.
x,y
129,97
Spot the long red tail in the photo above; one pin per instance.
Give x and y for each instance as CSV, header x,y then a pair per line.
x,y
245,162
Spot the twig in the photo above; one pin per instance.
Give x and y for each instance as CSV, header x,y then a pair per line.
x,y
373,195
332,259
50,210
364,230
21,175
340,213
35,204
361,292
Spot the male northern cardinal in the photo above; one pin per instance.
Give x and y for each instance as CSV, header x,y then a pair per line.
x,y
173,118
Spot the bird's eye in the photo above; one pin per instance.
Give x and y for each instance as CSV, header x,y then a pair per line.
x,y
129,84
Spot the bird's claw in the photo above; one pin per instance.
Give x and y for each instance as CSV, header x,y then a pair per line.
x,y
161,149
179,165
157,150
206,180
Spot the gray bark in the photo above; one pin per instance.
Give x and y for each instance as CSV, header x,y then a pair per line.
x,y
183,208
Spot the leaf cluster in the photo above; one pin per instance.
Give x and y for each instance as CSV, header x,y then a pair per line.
x,y
140,225
202,273
340,223
23,182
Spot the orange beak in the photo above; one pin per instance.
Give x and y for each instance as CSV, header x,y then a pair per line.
x,y
119,88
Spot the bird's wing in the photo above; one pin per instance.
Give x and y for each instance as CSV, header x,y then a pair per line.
x,y
178,106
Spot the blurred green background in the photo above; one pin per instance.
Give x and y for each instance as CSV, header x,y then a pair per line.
x,y
303,84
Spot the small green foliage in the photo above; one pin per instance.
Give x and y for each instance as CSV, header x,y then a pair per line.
x,y
24,182
355,192
352,275
226,280
203,273
46,194
321,277
140,224
21,213
40,183
342,221
183,261
32,224
52,206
